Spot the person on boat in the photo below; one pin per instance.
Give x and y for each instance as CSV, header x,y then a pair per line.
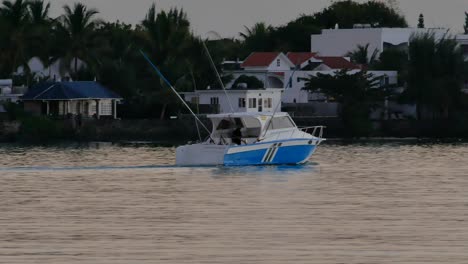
x,y
237,136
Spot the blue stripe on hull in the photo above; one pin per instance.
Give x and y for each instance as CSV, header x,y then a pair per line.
x,y
285,155
294,154
253,157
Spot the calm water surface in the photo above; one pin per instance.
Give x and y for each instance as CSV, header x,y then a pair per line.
x,y
359,203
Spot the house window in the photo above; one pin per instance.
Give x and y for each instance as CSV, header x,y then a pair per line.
x,y
105,108
214,100
241,102
269,103
278,62
252,102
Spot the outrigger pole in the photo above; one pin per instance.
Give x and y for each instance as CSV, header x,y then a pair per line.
x,y
174,90
219,77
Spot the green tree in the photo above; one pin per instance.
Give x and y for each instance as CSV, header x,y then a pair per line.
x,y
361,55
168,40
436,73
41,44
252,82
295,35
348,13
118,57
258,38
356,93
394,59
14,37
76,37
421,21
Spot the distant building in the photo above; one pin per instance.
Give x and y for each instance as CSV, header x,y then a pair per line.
x,y
270,67
88,99
249,100
318,104
9,93
338,42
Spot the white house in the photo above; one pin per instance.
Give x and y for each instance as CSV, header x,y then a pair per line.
x,y
324,106
216,101
295,94
270,67
338,42
9,93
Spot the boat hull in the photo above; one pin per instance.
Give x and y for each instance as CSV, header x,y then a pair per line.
x,y
289,152
200,155
286,152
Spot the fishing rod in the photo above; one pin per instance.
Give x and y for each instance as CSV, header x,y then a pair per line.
x,y
270,121
219,77
174,90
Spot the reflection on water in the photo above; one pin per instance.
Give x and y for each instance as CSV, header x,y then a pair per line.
x,y
354,203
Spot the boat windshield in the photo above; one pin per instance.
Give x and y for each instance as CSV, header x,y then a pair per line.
x,y
281,122
250,127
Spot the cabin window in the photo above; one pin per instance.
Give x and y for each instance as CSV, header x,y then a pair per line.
x,y
224,124
278,62
230,124
281,122
252,102
214,100
241,102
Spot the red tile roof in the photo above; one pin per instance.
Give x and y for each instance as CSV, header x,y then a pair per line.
x,y
297,58
260,59
338,63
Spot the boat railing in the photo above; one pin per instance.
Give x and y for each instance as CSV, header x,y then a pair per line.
x,y
317,131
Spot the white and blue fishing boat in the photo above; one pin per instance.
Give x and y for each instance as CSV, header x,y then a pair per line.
x,y
242,139
245,139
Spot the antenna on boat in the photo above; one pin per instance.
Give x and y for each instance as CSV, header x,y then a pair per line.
x,y
174,90
217,74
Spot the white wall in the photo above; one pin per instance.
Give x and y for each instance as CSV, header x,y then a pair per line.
x,y
338,42
341,41
235,95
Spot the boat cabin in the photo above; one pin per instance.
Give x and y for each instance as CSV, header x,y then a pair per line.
x,y
248,128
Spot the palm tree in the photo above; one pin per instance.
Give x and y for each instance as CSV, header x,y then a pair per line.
x,y
258,38
41,43
168,39
16,12
13,49
39,11
361,55
436,73
356,94
76,34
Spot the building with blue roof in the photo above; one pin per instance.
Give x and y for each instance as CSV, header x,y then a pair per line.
x,y
87,99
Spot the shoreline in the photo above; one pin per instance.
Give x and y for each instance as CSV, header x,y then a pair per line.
x,y
176,143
